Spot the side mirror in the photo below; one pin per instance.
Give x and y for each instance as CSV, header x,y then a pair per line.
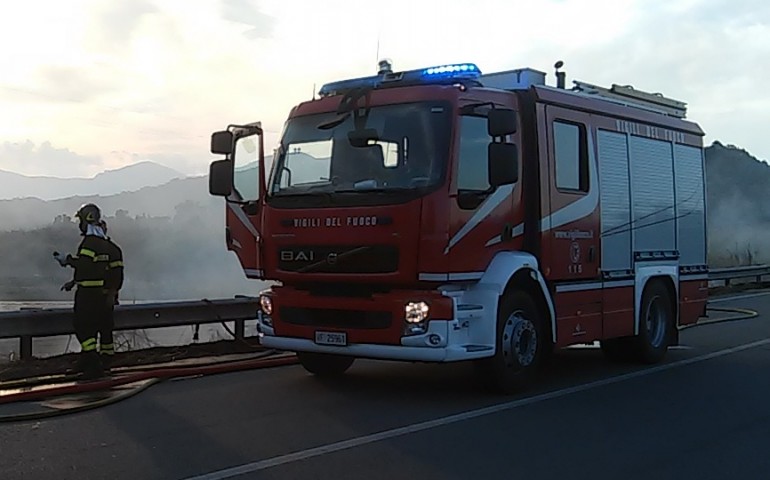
x,y
501,121
221,178
503,164
222,142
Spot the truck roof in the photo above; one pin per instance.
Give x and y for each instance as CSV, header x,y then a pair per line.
x,y
624,102
595,103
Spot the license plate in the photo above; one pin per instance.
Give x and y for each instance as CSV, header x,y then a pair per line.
x,y
331,338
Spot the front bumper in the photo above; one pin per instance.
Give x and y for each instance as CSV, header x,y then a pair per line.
x,y
446,338
417,348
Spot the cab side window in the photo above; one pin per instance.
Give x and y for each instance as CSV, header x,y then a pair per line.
x,y
570,156
473,165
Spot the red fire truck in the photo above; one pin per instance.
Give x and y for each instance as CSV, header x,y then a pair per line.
x,y
445,215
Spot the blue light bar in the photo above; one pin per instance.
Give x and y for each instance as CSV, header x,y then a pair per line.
x,y
422,76
467,70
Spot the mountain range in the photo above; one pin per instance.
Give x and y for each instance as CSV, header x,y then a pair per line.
x,y
111,182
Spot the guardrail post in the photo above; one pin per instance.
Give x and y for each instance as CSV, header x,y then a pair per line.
x,y
240,329
25,347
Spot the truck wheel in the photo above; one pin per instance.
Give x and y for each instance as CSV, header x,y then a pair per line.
x,y
325,364
520,345
656,320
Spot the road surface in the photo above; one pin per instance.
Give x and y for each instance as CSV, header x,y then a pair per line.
x,y
704,413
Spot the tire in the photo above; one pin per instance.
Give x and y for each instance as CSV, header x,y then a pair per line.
x,y
656,323
325,364
520,345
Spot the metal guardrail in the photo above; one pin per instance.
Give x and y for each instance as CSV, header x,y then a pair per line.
x,y
732,273
27,324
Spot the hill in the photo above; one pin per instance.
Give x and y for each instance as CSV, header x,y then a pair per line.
x,y
737,184
130,178
158,201
154,200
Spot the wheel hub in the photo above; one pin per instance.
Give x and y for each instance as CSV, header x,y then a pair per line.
x,y
519,340
655,322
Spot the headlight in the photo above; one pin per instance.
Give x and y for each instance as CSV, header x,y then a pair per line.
x,y
416,317
416,312
267,304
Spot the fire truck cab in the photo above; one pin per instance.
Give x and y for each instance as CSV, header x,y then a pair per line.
x,y
444,215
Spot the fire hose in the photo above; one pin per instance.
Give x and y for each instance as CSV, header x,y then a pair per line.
x,y
150,377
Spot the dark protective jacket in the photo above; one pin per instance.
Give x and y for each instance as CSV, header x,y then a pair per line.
x,y
114,279
91,264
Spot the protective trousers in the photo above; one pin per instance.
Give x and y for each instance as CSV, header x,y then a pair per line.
x,y
105,327
89,311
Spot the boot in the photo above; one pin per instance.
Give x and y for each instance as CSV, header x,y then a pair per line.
x,y
106,363
93,369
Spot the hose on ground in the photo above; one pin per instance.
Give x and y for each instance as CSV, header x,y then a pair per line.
x,y
161,372
22,417
154,376
65,377
744,314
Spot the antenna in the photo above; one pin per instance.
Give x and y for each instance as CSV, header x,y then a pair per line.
x,y
313,90
377,57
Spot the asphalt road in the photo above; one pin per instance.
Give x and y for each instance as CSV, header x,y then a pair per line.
x,y
704,413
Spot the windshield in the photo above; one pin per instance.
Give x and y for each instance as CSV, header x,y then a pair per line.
x,y
405,147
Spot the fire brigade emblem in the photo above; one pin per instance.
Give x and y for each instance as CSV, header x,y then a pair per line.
x,y
574,252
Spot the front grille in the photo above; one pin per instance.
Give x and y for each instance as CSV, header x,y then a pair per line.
x,y
326,317
339,259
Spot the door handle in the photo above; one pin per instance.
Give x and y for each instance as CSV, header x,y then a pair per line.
x,y
591,254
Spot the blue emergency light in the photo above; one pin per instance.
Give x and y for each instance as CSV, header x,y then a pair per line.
x,y
423,76
468,70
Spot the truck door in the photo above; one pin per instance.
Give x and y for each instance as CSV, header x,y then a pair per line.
x,y
242,219
477,214
570,217
570,223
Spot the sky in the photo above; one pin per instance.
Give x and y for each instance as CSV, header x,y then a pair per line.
x,y
89,85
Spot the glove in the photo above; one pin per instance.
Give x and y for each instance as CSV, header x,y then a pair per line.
x,y
61,259
68,286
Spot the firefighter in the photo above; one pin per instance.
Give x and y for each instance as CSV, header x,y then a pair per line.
x,y
112,286
90,277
